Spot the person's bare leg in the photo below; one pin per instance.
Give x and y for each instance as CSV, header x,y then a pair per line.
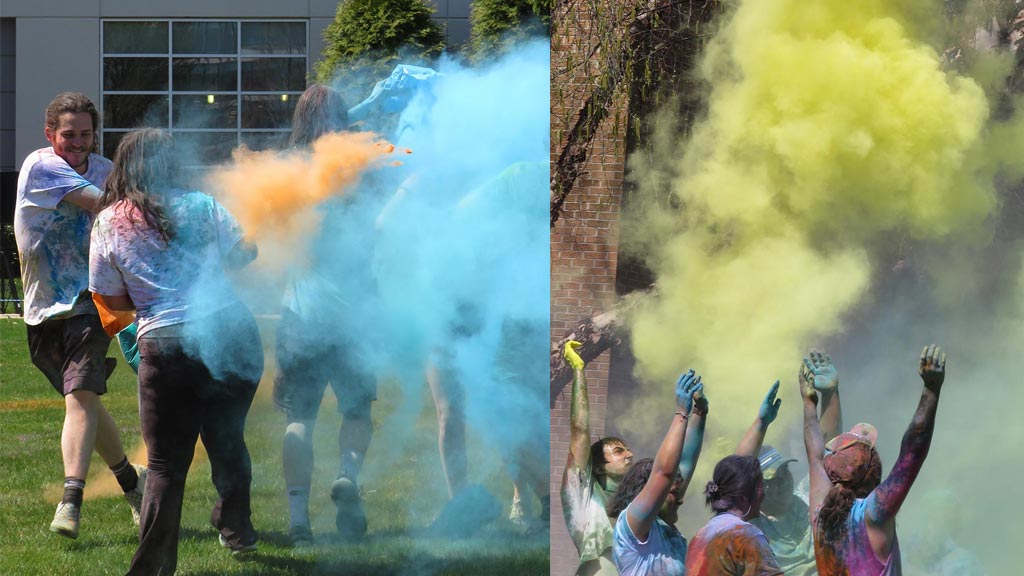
x,y
88,426
297,457
354,436
448,400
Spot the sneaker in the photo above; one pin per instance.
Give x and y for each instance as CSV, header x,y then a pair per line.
x,y
301,536
134,497
65,520
236,549
350,520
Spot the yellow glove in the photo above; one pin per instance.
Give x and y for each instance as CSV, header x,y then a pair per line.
x,y
571,356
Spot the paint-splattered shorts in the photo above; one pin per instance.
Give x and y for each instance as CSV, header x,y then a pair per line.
x,y
71,353
306,364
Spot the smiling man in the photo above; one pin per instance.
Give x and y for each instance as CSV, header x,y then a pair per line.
x,y
58,195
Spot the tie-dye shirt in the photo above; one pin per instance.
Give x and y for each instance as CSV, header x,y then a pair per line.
x,y
53,236
662,554
169,282
853,555
727,545
583,504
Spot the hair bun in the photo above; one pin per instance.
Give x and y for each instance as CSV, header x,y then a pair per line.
x,y
711,489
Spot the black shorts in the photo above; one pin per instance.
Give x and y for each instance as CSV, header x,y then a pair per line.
x,y
307,362
71,352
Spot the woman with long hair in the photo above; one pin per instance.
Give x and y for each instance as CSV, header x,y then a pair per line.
x,y
645,506
164,252
853,511
729,543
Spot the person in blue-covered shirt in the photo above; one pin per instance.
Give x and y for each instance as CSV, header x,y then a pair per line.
x,y
59,189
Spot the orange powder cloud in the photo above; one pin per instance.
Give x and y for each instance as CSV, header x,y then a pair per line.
x,y
272,194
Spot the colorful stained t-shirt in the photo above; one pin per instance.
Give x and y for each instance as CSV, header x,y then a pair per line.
x,y
583,505
727,545
53,236
663,553
790,537
853,556
169,282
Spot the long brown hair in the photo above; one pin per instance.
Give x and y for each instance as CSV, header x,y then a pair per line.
x,y
145,167
848,484
319,110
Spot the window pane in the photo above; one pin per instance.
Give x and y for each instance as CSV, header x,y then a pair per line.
x,y
274,74
268,111
265,140
110,142
196,111
273,38
135,74
205,38
135,110
205,74
135,37
205,148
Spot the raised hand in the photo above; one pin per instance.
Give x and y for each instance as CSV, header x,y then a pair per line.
x,y
933,367
571,356
770,406
700,402
688,385
825,378
806,379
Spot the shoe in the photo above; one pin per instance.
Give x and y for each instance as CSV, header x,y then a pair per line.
x,y
516,514
350,520
65,520
301,536
237,549
134,496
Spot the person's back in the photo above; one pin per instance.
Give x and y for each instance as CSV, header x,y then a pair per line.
x,y
727,545
853,553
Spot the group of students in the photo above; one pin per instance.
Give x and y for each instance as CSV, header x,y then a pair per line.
x,y
103,244
621,514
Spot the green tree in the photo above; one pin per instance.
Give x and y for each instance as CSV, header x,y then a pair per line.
x,y
371,36
498,24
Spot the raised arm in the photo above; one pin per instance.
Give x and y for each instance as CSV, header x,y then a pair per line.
x,y
694,439
884,502
643,510
826,382
579,411
751,443
813,442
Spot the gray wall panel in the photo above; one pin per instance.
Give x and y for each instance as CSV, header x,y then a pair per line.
x,y
458,33
458,8
323,8
44,71
51,8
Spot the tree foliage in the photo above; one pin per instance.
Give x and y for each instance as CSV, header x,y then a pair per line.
x,y
499,24
373,34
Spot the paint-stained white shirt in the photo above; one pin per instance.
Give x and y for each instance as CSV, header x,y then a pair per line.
x,y
53,235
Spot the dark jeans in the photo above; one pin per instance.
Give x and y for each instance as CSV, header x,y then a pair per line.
x,y
180,401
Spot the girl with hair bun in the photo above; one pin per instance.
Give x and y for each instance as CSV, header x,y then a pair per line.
x,y
729,544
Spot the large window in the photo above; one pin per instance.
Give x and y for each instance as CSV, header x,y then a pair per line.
x,y
214,83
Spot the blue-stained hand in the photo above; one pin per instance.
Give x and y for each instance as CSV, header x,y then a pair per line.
x,y
688,385
824,377
770,406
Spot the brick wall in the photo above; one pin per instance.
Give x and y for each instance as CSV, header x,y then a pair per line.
x,y
584,246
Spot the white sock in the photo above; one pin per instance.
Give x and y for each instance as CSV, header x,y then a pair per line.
x,y
298,505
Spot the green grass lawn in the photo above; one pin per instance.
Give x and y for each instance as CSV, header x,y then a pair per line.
x,y
402,482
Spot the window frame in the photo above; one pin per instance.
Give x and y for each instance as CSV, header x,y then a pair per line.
x,y
239,93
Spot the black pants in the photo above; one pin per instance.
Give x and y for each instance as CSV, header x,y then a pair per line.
x,y
180,400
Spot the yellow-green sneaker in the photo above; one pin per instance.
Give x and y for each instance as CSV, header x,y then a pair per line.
x,y
134,497
65,520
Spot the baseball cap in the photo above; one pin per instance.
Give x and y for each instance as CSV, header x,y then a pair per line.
x,y
862,433
771,460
